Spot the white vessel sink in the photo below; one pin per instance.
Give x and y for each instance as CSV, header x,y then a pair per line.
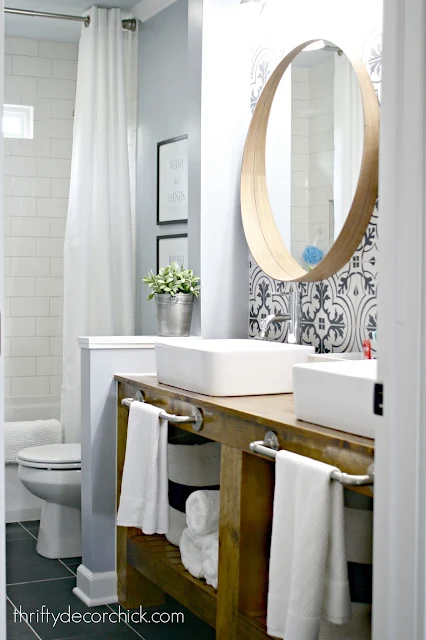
x,y
332,357
338,395
228,367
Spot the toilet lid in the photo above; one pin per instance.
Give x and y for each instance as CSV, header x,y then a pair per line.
x,y
51,456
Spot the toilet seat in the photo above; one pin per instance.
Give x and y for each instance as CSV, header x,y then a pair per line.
x,y
51,457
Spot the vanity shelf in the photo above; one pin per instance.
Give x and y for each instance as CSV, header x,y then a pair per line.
x,y
160,562
148,566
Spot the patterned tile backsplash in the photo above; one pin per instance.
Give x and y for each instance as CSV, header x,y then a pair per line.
x,y
339,313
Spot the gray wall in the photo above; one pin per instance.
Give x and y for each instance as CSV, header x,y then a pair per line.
x,y
189,83
163,111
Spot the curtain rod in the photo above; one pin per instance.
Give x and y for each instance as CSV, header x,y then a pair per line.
x,y
129,24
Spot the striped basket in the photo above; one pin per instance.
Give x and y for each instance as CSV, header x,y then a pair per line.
x,y
193,464
359,552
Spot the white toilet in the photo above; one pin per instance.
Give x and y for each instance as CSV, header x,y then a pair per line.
x,y
53,473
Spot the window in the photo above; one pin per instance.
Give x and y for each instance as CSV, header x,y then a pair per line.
x,y
18,121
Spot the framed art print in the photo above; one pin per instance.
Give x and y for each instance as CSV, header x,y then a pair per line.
x,y
172,249
172,180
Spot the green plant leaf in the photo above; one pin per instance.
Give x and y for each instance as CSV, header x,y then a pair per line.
x,y
172,279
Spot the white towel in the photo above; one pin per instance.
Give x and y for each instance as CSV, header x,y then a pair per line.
x,y
190,552
144,490
202,511
210,555
307,575
33,433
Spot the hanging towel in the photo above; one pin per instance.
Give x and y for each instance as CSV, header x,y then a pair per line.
x,y
210,555
143,501
308,569
190,552
33,433
202,512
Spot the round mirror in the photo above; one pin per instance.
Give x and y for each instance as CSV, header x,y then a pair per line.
x,y
310,165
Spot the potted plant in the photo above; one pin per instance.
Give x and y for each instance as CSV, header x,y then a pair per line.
x,y
174,290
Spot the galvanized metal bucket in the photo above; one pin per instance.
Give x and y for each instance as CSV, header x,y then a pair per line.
x,y
174,314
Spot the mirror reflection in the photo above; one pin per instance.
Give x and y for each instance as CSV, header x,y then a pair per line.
x,y
314,149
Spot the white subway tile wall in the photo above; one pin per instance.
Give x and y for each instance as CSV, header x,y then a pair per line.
x,y
299,160
312,156
42,74
321,153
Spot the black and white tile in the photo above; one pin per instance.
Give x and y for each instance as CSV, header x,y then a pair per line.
x,y
34,582
339,313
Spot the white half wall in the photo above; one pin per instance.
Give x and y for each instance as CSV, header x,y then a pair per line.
x,y
101,359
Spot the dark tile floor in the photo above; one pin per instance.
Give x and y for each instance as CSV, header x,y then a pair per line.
x,y
38,585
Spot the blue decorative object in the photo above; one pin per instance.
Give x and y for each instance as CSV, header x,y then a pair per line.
x,y
312,255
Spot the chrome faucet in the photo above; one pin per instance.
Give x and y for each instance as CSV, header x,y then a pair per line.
x,y
294,318
266,323
295,309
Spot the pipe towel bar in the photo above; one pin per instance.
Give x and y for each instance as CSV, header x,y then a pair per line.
x,y
196,418
269,448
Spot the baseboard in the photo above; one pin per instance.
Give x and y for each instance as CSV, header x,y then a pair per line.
x,y
95,589
21,515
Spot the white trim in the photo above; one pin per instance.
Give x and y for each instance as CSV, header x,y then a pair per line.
x,y
117,342
96,589
400,508
147,9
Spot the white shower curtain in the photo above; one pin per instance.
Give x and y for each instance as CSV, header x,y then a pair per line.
x,y
348,138
98,274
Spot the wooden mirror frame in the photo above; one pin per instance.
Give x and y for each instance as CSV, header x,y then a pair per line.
x,y
263,237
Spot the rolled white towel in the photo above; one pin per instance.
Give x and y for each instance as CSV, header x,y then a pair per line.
x,y
210,554
190,551
202,512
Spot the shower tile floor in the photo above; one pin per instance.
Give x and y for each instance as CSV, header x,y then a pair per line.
x,y
34,581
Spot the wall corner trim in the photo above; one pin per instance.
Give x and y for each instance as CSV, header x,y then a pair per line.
x,y
146,9
96,589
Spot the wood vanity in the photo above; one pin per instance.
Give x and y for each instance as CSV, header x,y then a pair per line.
x,y
148,566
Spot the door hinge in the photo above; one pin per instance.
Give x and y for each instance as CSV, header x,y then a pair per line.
x,y
378,399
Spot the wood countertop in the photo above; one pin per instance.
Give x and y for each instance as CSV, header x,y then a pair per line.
x,y
237,421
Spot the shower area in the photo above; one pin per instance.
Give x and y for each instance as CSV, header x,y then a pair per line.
x,y
53,131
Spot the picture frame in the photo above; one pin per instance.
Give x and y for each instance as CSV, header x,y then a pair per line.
x,y
172,248
172,181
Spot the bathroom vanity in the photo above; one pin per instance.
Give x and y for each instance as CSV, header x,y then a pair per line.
x,y
148,566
